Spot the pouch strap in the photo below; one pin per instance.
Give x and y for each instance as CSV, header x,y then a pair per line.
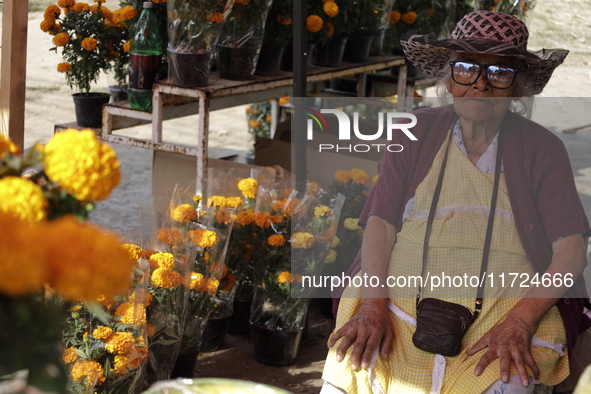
x,y
491,218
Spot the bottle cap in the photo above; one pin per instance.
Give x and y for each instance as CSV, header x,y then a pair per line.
x,y
148,4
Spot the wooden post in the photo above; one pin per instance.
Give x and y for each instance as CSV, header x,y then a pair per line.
x,y
13,70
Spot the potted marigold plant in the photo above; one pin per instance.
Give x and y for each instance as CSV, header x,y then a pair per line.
x,y
329,52
296,236
241,39
278,34
194,28
91,40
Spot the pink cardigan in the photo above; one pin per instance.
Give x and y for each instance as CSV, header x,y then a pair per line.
x,y
541,187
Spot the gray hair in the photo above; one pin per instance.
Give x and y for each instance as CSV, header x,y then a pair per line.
x,y
524,89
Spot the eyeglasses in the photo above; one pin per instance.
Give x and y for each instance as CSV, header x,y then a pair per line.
x,y
467,73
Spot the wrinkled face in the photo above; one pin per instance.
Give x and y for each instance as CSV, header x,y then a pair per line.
x,y
480,101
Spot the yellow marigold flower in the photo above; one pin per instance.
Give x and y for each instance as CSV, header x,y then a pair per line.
x,y
170,236
128,13
248,187
46,25
409,17
102,332
263,219
331,257
230,282
246,217
66,3
7,146
120,367
284,276
322,210
342,176
127,46
120,342
211,286
81,164
203,238
89,371
374,179
359,176
64,67
61,39
218,270
284,100
314,23
331,9
167,279
81,7
106,266
70,355
216,201
162,260
276,240
335,242
302,240
131,313
184,213
22,198
51,13
197,199
89,43
216,17
233,202
134,251
197,281
329,29
224,216
394,17
351,224
254,124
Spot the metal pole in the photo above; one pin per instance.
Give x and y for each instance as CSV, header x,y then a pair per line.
x,y
300,60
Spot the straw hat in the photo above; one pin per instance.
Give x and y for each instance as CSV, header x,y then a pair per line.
x,y
486,32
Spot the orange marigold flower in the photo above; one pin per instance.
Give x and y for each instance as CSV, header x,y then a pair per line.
x,y
224,216
197,281
243,2
127,46
359,176
331,9
64,67
342,176
81,7
246,217
314,23
51,13
284,100
216,201
61,39
211,286
131,313
254,124
233,202
230,282
89,43
203,238
409,18
120,342
263,219
88,370
330,29
394,17
170,236
7,146
162,260
277,219
134,251
284,276
216,17
184,213
312,187
328,235
276,240
70,355
302,240
46,25
66,3
146,253
102,332
430,11
167,279
219,270
127,13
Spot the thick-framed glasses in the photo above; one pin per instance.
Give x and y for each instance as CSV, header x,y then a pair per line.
x,y
467,73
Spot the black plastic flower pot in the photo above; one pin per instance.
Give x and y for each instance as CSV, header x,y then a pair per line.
x,y
357,48
287,60
275,347
185,365
89,108
237,63
214,334
240,319
377,42
189,70
269,62
330,54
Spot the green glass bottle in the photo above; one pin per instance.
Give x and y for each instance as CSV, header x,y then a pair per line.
x,y
145,57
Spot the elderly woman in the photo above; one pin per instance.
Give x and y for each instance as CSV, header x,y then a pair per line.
x,y
428,214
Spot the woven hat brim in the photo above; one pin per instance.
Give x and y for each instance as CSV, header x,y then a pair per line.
x,y
430,55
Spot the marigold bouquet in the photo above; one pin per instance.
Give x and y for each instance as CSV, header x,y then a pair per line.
x,y
279,25
92,39
297,234
369,16
44,196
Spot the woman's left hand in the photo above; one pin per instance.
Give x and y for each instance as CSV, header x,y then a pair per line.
x,y
510,341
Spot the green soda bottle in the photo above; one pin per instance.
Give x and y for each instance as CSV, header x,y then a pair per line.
x,y
145,57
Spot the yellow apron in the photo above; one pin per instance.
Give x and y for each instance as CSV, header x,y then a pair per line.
x,y
455,250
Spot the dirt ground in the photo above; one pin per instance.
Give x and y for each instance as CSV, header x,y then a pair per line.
x,y
553,24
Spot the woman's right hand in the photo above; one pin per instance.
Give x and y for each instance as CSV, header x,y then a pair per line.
x,y
369,329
